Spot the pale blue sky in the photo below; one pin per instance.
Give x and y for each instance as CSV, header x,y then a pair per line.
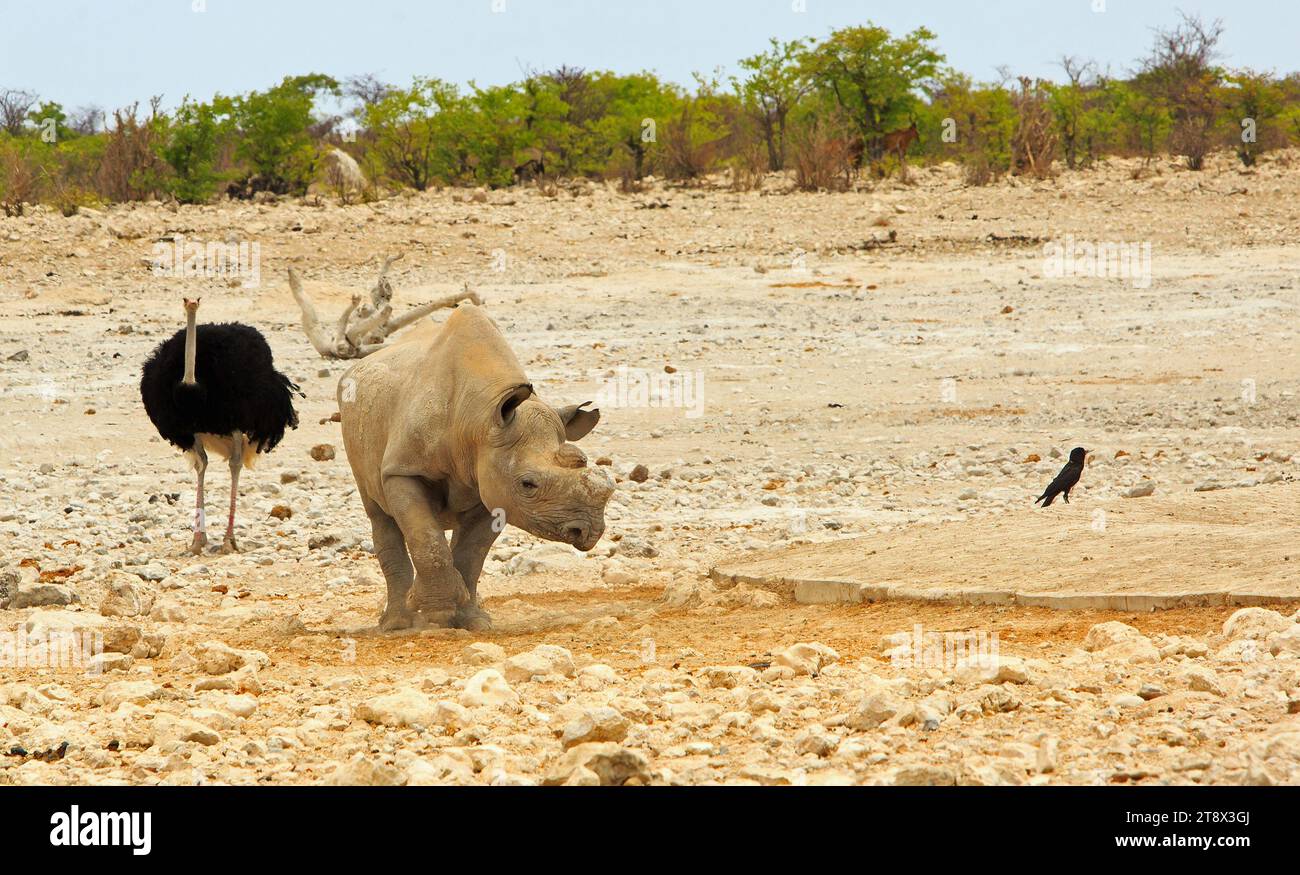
x,y
112,52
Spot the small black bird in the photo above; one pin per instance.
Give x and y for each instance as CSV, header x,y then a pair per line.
x,y
1066,480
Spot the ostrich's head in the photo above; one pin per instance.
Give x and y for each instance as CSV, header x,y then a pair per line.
x,y
191,305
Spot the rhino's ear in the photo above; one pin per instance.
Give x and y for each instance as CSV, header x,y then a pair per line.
x,y
578,422
518,395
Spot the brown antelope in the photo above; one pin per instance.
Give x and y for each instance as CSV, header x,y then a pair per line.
x,y
898,142
856,147
529,164
892,142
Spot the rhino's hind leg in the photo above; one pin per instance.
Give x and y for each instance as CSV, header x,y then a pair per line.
x,y
438,592
470,544
390,548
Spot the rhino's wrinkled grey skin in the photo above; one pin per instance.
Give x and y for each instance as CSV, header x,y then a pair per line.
x,y
444,433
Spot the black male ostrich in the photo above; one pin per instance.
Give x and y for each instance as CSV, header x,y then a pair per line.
x,y
215,387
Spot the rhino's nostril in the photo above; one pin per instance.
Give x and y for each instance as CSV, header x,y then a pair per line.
x,y
577,534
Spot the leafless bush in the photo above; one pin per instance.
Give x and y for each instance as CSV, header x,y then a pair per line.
x,y
366,89
749,166
20,178
977,169
1190,140
14,106
1034,142
131,168
629,184
66,196
1180,71
87,120
686,152
821,153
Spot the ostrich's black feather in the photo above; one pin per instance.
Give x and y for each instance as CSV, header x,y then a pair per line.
x,y
238,388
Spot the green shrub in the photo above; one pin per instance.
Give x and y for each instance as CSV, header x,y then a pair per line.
x,y
191,150
274,133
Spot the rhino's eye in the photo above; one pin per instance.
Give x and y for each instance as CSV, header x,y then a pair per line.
x,y
528,485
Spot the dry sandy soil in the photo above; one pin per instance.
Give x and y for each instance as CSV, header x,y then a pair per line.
x,y
853,385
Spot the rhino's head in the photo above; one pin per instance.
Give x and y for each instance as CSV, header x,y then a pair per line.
x,y
529,470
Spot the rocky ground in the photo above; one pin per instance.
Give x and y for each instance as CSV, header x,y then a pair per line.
x,y
891,357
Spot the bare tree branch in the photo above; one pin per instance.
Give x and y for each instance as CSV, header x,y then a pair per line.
x,y
362,329
15,103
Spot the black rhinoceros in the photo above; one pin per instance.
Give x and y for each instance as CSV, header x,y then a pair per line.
x,y
445,433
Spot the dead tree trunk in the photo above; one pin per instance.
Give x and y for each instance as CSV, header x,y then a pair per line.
x,y
364,328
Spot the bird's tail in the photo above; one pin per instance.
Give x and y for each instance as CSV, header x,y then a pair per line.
x,y
291,389
1048,497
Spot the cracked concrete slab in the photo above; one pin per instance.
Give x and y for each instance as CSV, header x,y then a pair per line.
x,y
1231,547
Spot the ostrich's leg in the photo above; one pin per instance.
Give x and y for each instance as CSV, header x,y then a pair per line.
x,y
236,463
200,524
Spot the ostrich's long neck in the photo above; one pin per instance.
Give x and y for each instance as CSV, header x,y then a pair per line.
x,y
191,348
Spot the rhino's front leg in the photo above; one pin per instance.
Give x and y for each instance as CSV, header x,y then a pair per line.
x,y
470,543
439,590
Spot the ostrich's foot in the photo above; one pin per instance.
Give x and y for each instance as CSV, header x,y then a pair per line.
x,y
200,541
229,545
